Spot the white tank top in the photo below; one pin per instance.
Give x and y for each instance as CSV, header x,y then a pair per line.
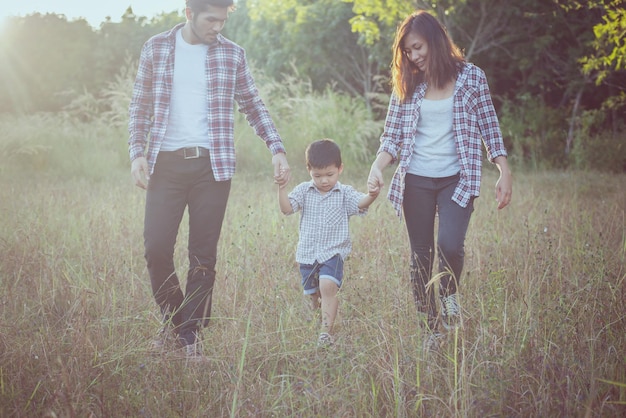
x,y
434,151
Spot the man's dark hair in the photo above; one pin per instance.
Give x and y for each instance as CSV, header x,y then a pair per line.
x,y
198,6
322,153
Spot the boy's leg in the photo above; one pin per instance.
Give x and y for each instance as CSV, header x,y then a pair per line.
x,y
330,304
310,284
330,279
315,300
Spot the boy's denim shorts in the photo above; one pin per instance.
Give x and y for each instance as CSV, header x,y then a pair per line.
x,y
330,270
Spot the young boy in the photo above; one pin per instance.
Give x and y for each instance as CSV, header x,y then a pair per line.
x,y
324,243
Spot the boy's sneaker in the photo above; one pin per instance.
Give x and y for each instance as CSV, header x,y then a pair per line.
x,y
325,340
450,311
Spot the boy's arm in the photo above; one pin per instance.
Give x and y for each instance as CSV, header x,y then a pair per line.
x,y
368,199
283,201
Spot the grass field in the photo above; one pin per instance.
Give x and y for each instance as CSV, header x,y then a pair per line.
x,y
543,296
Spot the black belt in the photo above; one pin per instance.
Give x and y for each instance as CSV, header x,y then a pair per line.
x,y
190,152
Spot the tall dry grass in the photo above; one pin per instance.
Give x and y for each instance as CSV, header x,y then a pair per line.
x,y
544,330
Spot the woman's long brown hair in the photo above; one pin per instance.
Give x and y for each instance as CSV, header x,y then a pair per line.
x,y
444,57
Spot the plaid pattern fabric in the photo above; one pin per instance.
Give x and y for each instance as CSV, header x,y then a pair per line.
x,y
228,80
474,121
324,220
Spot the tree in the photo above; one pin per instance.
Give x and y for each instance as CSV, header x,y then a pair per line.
x,y
117,41
312,37
43,57
607,63
46,61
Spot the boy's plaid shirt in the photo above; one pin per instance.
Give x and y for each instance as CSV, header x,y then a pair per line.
x,y
324,230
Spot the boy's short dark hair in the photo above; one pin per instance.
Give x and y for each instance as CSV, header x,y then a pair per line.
x,y
198,6
322,153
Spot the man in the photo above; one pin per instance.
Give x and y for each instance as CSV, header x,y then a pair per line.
x,y
187,82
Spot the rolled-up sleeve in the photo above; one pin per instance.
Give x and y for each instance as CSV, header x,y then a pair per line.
x,y
141,105
488,122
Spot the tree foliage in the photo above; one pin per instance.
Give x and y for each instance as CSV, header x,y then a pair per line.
x,y
46,61
567,56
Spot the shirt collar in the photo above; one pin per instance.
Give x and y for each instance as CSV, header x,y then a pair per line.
x,y
171,35
337,186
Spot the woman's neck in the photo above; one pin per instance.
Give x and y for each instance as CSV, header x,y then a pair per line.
x,y
439,93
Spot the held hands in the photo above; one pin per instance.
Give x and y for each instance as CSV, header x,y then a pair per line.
x,y
140,172
282,172
375,181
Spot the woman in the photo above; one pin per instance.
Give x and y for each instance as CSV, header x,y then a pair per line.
x,y
440,112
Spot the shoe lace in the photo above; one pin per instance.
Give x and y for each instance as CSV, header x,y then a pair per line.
x,y
451,305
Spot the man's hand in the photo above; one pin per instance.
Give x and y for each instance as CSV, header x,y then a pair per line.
x,y
140,172
282,172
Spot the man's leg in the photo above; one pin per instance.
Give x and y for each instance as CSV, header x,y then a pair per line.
x,y
165,205
207,201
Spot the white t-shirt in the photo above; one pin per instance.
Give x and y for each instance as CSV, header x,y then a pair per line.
x,y
187,124
434,151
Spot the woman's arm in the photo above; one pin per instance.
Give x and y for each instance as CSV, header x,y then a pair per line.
x,y
375,180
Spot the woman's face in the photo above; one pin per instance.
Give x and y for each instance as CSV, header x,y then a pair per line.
x,y
416,50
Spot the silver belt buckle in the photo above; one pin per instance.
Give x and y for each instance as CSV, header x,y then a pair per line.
x,y
192,156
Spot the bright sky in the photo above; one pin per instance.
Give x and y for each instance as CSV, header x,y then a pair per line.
x,y
94,11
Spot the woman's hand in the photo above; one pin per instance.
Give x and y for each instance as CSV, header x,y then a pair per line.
x,y
504,185
375,180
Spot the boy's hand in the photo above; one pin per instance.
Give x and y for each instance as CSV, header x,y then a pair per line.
x,y
373,192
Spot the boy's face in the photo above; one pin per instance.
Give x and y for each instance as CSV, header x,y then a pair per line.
x,y
325,178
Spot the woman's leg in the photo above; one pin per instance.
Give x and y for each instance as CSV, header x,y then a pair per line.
x,y
419,213
453,224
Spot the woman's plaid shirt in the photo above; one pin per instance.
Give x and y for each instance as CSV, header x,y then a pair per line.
x,y
474,121
228,80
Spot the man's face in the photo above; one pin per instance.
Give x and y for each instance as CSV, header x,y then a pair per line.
x,y
206,25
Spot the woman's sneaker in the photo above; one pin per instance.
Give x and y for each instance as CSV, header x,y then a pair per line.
x,y
450,311
165,340
433,341
193,352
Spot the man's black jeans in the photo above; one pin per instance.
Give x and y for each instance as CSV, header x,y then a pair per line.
x,y
176,184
